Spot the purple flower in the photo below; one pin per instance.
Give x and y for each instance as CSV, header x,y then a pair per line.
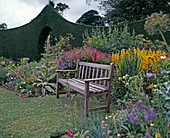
x,y
116,120
140,105
62,106
150,74
146,116
147,135
65,108
63,102
69,63
61,65
68,95
132,118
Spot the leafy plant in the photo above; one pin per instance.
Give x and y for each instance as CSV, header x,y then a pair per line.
x,y
164,94
45,75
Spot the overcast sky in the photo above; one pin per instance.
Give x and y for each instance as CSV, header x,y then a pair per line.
x,y
19,12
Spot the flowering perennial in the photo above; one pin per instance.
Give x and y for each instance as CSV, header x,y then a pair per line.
x,y
146,59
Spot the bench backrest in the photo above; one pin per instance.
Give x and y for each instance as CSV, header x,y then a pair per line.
x,y
87,70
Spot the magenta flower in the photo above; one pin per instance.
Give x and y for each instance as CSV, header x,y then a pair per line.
x,y
70,134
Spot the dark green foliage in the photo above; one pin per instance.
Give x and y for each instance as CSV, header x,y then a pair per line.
x,y
3,26
90,18
61,7
124,11
3,77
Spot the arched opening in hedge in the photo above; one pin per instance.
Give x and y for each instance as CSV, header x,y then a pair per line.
x,y
41,41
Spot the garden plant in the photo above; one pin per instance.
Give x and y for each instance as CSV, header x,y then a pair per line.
x,y
140,96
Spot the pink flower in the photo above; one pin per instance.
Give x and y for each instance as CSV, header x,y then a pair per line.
x,y
70,134
25,78
8,74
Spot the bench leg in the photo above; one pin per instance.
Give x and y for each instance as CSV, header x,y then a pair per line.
x,y
57,90
86,106
108,103
57,85
86,100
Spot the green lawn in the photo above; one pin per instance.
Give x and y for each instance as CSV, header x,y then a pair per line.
x,y
31,117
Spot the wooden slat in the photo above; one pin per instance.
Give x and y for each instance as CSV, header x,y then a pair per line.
x,y
79,72
102,66
91,88
93,72
97,73
86,72
78,86
77,68
89,72
101,75
82,75
101,107
92,85
105,75
98,94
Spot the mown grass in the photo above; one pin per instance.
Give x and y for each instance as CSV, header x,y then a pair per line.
x,y
32,117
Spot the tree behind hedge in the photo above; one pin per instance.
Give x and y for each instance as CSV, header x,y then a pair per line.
x,y
124,11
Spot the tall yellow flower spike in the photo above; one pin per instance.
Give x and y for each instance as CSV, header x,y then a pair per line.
x,y
148,59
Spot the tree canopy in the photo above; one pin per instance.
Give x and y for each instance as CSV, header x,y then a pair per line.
x,y
3,26
124,11
61,7
90,17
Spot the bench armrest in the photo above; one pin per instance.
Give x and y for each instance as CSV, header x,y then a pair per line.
x,y
96,79
66,70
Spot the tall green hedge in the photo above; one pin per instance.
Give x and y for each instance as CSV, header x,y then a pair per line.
x,y
28,40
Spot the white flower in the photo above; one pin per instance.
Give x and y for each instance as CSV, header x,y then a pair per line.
x,y
163,57
123,77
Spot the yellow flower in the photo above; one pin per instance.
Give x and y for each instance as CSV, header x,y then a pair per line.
x,y
33,74
150,86
17,64
157,135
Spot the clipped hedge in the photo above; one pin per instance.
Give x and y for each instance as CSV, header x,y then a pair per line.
x,y
28,40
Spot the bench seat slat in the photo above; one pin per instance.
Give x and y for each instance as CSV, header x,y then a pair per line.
x,y
92,85
79,86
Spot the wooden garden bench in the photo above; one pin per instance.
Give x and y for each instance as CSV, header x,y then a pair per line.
x,y
91,79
